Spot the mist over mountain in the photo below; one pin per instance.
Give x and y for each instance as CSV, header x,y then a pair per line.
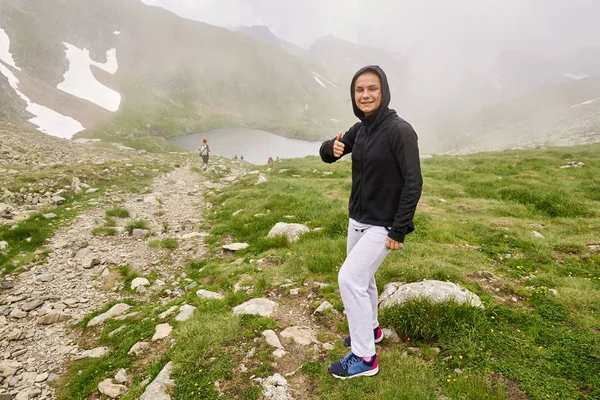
x,y
115,69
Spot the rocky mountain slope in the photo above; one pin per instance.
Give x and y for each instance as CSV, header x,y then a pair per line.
x,y
163,75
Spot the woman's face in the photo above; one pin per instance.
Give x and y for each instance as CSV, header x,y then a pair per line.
x,y
367,92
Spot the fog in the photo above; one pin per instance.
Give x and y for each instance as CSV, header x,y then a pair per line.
x,y
446,46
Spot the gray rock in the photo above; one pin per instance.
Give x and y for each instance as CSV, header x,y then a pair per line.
x,y
44,277
272,339
391,335
235,246
3,245
49,216
116,310
207,294
90,262
111,390
279,353
323,307
41,377
98,352
302,335
15,335
276,388
140,233
82,253
537,234
58,200
137,282
261,179
162,331
434,291
159,388
258,306
53,317
138,348
91,190
165,314
17,313
31,304
121,376
185,312
291,231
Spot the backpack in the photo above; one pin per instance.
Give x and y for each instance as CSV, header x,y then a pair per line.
x,y
204,150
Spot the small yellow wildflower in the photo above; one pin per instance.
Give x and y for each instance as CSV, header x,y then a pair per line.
x,y
491,330
460,356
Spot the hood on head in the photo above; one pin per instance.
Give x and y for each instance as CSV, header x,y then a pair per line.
x,y
385,93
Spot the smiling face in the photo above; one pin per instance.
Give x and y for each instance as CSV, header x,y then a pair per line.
x,y
367,92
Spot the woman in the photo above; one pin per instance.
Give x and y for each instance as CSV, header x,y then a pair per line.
x,y
203,150
386,187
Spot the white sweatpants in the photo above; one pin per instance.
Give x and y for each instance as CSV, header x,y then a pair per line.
x,y
365,253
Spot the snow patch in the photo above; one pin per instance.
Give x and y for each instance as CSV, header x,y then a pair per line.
x,y
319,81
322,77
117,33
585,103
47,120
576,77
5,54
80,81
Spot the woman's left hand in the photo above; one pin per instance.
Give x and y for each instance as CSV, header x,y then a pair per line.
x,y
393,245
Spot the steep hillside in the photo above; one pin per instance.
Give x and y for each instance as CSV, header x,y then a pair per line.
x,y
166,75
264,34
565,114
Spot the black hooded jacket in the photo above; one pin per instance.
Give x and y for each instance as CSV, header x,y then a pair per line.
x,y
386,171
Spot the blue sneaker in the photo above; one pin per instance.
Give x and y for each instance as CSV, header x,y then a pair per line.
x,y
377,336
352,366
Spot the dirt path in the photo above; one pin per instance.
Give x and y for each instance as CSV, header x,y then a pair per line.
x,y
47,298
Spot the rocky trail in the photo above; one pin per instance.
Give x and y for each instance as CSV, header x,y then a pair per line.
x,y
76,279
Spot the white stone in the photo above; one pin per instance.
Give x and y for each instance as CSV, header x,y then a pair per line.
x,y
162,331
291,231
121,376
170,311
323,307
110,389
98,352
138,348
116,310
302,335
272,339
435,291
207,294
53,317
235,246
275,388
537,234
137,282
159,388
185,312
3,245
261,179
279,353
258,306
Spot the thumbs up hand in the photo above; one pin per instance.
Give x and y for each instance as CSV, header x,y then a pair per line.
x,y
338,146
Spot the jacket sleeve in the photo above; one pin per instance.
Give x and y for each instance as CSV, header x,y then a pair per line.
x,y
326,150
404,144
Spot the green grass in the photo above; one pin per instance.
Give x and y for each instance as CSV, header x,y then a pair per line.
x,y
104,231
137,224
541,346
536,338
117,212
167,243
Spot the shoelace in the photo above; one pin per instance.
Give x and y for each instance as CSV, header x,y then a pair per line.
x,y
350,360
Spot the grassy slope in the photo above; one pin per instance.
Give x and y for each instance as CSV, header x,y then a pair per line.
x,y
175,75
527,343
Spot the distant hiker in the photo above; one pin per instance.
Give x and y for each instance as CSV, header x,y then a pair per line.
x,y
270,160
242,157
277,159
203,151
386,187
235,157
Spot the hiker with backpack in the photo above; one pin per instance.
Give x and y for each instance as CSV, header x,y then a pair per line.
x,y
203,151
386,187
